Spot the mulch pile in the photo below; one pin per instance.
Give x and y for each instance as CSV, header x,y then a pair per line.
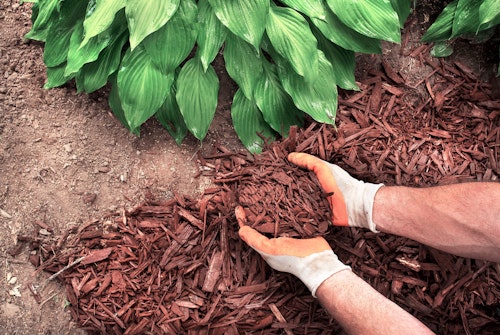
x,y
178,267
278,198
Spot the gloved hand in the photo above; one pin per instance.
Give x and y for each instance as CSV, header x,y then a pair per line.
x,y
310,260
352,199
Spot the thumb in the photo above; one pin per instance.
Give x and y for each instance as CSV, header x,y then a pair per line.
x,y
256,240
318,166
251,236
282,246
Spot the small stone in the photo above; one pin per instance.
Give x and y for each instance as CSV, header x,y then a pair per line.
x,y
5,214
67,148
34,259
104,169
45,232
89,198
15,291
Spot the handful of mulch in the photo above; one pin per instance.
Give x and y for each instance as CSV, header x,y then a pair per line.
x,y
279,198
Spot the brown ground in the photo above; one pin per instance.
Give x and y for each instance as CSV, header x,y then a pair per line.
x,y
64,160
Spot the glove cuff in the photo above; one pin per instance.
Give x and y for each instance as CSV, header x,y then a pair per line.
x,y
369,200
320,267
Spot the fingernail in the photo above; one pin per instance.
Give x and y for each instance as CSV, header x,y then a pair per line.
x,y
240,216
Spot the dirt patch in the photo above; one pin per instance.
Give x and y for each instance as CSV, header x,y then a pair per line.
x,y
65,160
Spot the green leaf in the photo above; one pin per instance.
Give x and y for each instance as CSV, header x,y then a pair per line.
x,y
343,62
318,99
243,64
80,54
249,123
246,19
466,18
441,29
197,96
142,87
58,39
292,38
47,12
211,33
442,49
372,18
173,42
147,16
116,106
311,8
489,14
99,17
171,118
56,77
95,75
57,44
275,104
337,32
73,59
403,9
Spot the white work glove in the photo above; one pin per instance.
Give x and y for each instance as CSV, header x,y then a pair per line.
x,y
310,260
352,199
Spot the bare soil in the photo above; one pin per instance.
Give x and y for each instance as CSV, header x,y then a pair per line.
x,y
65,160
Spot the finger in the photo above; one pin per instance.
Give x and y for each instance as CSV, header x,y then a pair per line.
x,y
240,216
284,246
255,239
319,168
327,181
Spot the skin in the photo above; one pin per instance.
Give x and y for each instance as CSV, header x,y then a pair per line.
x,y
360,309
462,219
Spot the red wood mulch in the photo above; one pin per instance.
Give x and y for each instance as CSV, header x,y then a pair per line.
x,y
179,267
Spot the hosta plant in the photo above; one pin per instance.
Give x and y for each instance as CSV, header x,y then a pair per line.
x,y
474,19
287,57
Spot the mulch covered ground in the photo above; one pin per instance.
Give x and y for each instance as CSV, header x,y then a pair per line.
x,y
179,267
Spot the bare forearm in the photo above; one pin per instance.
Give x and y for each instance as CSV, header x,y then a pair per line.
x,y
463,219
360,309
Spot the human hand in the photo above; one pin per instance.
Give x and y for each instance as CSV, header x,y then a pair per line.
x,y
310,260
351,200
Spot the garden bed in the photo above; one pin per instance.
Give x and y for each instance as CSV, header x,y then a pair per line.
x,y
179,266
